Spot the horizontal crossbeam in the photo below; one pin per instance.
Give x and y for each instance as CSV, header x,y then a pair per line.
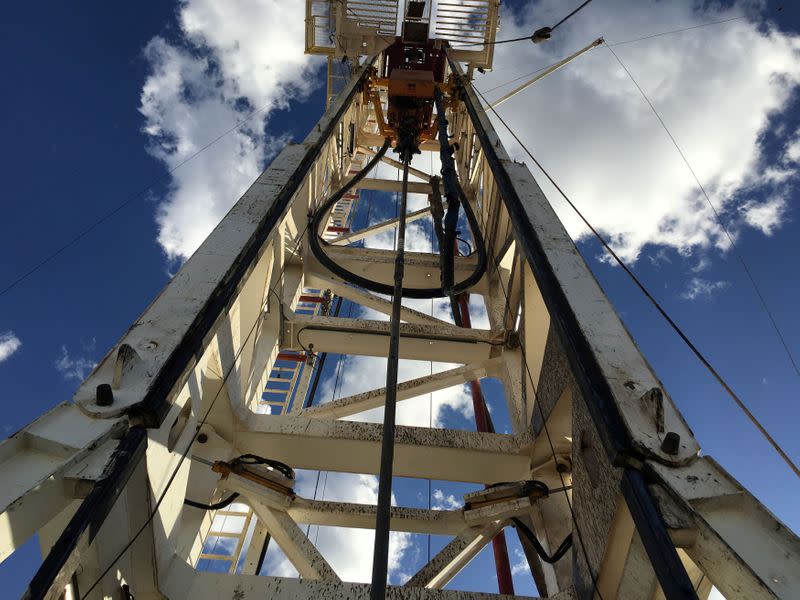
x,y
354,447
422,269
212,586
443,343
389,185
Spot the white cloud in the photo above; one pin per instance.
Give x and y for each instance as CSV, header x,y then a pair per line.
x,y
702,288
347,550
766,216
232,58
9,344
74,367
792,150
521,565
716,88
442,501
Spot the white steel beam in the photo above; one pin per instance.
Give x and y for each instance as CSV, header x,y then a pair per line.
x,y
351,405
444,343
455,556
389,185
362,516
42,467
421,269
212,586
295,545
353,447
739,544
346,514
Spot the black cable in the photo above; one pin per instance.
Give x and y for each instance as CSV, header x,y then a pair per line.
x,y
263,554
570,15
254,459
469,246
451,194
675,327
565,545
540,34
216,506
315,243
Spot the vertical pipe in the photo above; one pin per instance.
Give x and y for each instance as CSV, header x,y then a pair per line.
x,y
483,423
380,556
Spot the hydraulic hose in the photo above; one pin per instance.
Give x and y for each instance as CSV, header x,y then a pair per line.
x,y
565,545
216,506
316,242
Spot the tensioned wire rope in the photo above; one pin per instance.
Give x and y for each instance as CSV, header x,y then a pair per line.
x,y
717,216
615,44
661,310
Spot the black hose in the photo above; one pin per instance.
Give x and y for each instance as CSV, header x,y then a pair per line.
x,y
315,242
221,504
254,459
557,555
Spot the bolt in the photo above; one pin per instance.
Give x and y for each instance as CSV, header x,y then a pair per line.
x,y
202,438
104,395
671,443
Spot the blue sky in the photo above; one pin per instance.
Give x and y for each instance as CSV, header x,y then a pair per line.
x,y
76,145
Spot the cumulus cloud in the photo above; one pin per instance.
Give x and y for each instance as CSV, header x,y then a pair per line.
x,y
73,367
716,88
9,344
702,288
348,550
521,564
233,62
792,151
442,501
765,216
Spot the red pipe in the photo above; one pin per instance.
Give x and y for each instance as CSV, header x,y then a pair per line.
x,y
291,356
483,423
311,299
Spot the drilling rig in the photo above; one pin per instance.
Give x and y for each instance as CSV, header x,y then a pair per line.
x,y
207,407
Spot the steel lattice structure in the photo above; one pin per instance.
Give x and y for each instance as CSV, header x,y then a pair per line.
x,y
182,394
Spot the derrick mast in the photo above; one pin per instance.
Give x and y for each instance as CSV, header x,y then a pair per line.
x,y
179,462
